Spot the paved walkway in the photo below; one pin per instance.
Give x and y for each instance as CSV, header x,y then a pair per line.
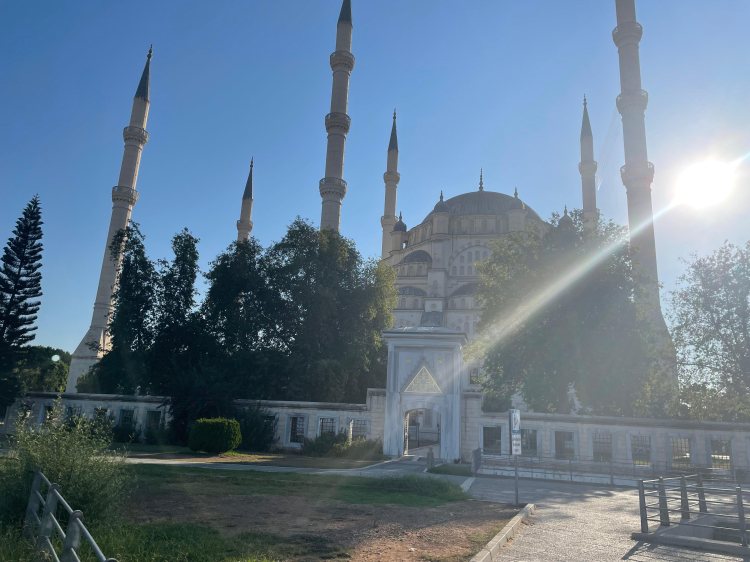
x,y
580,523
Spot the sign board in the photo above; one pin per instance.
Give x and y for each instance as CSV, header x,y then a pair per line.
x,y
515,432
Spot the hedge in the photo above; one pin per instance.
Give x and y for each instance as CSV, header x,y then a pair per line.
x,y
217,435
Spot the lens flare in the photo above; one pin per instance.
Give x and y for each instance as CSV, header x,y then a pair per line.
x,y
705,183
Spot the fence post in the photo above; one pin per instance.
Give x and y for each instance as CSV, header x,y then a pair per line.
x,y
32,509
663,507
642,505
47,527
684,506
72,538
570,468
701,494
741,513
611,475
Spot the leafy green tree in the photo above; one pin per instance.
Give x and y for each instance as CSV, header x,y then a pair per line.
x,y
560,314
37,370
710,318
20,284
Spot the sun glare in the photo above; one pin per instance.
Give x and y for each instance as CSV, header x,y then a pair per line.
x,y
705,184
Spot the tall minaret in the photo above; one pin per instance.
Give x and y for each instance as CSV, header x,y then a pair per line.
x,y
637,173
333,186
124,197
391,178
587,168
245,224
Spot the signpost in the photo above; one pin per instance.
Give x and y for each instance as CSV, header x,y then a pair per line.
x,y
515,441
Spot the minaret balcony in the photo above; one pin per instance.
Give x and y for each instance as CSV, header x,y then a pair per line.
x,y
135,133
122,193
634,101
332,186
391,177
342,60
627,33
244,225
338,121
637,171
588,168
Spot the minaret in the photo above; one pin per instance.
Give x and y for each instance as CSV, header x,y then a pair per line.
x,y
333,186
587,168
245,224
124,197
391,178
637,173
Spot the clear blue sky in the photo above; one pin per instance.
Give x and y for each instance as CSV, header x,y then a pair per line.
x,y
492,84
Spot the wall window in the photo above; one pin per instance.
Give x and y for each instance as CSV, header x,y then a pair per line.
x,y
153,419
471,226
411,271
463,303
419,270
640,449
327,425
491,440
416,303
403,271
474,376
484,225
680,447
403,303
127,417
47,415
529,443
484,256
602,447
359,428
564,445
721,454
462,259
73,412
296,429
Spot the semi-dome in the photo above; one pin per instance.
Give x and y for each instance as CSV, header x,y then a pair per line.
x,y
486,203
468,289
409,290
420,256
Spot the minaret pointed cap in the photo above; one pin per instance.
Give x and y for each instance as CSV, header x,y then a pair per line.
x,y
441,194
516,194
249,185
346,12
586,126
144,86
393,144
481,183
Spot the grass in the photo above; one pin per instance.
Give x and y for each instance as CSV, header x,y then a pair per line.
x,y
452,469
477,541
401,490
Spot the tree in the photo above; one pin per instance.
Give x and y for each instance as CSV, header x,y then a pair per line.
x,y
20,284
710,318
42,368
560,314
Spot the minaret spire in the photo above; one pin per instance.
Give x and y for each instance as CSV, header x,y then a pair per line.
x,y
332,186
245,224
124,197
637,173
391,178
587,168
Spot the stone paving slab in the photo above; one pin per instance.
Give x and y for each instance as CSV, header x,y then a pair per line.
x,y
575,522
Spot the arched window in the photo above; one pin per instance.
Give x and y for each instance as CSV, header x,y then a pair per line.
x,y
403,303
416,303
453,270
468,270
462,259
484,225
484,256
411,271
466,327
403,271
419,270
463,303
434,287
462,270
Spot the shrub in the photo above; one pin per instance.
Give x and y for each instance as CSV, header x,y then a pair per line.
x,y
359,449
74,454
258,428
126,432
323,445
216,435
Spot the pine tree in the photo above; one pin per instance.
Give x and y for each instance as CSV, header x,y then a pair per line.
x,y
20,283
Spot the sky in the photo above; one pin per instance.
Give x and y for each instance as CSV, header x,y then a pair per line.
x,y
492,84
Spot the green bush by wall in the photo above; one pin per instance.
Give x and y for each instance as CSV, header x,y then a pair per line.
x,y
217,435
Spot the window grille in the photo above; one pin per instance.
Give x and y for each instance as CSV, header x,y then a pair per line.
x,y
127,417
721,454
296,429
73,412
474,376
564,445
359,428
528,443
680,452
602,447
491,440
153,419
640,448
327,425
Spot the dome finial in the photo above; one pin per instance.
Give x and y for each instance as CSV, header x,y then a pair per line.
x,y
441,194
566,210
251,161
394,113
584,100
150,51
399,215
481,184
516,194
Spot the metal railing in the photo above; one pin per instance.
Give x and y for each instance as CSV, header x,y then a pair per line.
x,y
625,471
718,507
42,523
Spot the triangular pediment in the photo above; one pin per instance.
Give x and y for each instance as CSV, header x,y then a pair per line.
x,y
423,383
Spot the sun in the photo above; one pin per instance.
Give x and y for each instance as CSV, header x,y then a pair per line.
x,y
705,183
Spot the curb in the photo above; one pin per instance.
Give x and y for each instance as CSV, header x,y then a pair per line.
x,y
467,483
694,542
492,548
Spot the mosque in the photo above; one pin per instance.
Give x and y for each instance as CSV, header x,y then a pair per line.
x,y
429,385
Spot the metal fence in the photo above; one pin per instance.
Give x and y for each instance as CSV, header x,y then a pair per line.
x,y
717,509
612,470
42,523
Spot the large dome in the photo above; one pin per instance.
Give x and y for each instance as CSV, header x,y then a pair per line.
x,y
486,203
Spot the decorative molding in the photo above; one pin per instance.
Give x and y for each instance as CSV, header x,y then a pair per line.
x,y
632,102
635,171
338,121
332,186
391,177
127,194
627,33
342,60
135,134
